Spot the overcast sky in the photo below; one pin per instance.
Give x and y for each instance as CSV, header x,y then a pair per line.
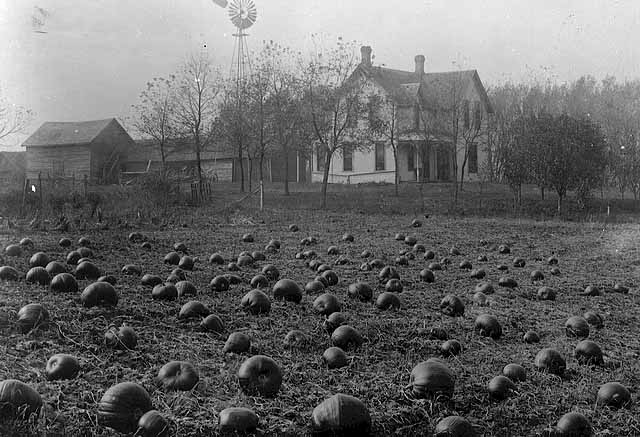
x,y
96,55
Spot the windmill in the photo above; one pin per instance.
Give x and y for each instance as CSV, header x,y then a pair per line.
x,y
242,14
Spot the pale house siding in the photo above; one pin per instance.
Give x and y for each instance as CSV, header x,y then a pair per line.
x,y
58,161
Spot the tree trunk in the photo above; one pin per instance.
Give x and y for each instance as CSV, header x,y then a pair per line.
x,y
250,159
325,178
241,164
464,164
559,203
542,192
198,159
286,171
260,170
396,175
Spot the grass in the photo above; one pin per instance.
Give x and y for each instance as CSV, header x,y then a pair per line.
x,y
378,372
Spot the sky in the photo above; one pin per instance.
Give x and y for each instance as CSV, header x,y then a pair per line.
x,y
97,55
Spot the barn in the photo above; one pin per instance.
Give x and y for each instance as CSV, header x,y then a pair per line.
x,y
92,149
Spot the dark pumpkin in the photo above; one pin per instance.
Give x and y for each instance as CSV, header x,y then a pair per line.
x,y
122,406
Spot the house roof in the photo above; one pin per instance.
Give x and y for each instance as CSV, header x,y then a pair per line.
x,y
57,133
407,86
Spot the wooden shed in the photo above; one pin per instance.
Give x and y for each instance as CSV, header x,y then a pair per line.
x,y
77,149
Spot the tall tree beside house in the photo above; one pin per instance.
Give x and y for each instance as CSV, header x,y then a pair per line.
x,y
232,122
333,103
473,133
154,114
198,87
384,122
13,119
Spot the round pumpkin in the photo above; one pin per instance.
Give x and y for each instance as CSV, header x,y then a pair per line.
x,y
238,421
55,267
346,337
432,378
452,306
13,250
64,283
172,258
514,372
152,424
219,283
166,291
122,406
260,375
335,358
531,337
38,275
39,259
574,424
256,302
361,291
193,309
313,287
613,394
237,343
177,376
501,387
18,400
333,321
342,415
62,366
8,273
488,326
87,270
122,338
550,360
387,300
454,426
450,348
326,304
588,352
149,280
186,288
259,281
546,293
576,326
271,272
99,294
295,339
32,316
286,289
212,323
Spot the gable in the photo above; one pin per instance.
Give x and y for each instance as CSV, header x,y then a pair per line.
x,y
67,133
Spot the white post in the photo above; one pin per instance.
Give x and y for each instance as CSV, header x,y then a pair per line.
x,y
261,195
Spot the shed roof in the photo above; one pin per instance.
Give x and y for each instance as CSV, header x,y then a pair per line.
x,y
62,133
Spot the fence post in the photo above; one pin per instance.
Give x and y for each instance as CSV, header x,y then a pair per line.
x,y
261,195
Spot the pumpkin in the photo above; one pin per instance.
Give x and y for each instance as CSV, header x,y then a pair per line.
x,y
376,263
247,238
550,360
432,378
64,242
326,304
427,275
237,343
38,275
419,248
399,237
64,283
238,421
482,258
394,286
519,262
314,286
32,316
84,241
366,254
177,376
295,339
136,237
536,275
18,400
574,424
180,247
410,240
123,338
186,263
488,326
450,348
619,288
13,250
151,280
333,321
122,405
334,357
286,289
152,424
507,282
594,319
452,305
454,251
87,270
514,372
416,223
361,291
219,283
172,258
39,259
216,258
259,281
454,426
588,352
478,273
429,254
531,337
256,302
186,288
108,278
591,290
99,293
613,394
546,293
387,300
293,228
504,249
271,272
331,277
73,257
437,334
55,267
85,252
465,265
484,287
388,272
434,266
167,291
555,271
346,337
260,375
212,323
501,387
8,273
502,267
193,309
576,326
62,366
131,269
341,415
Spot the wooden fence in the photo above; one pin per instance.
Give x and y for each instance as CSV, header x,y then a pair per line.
x,y
44,188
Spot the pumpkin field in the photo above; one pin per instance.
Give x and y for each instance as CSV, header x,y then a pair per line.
x,y
271,314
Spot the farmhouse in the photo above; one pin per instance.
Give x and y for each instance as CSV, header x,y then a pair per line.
x,y
438,118
219,162
92,149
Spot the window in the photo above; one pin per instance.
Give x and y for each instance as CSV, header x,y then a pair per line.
x,y
411,162
465,113
379,156
473,158
372,108
347,158
477,116
321,155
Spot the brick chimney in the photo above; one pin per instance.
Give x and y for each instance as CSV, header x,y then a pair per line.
x,y
420,64
366,55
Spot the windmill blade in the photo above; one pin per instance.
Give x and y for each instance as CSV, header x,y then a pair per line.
x,y
221,3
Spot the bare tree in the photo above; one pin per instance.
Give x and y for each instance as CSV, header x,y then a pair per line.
x,y
13,119
154,114
196,103
473,131
333,103
233,121
384,121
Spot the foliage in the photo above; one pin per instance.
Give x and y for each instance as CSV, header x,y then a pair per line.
x,y
13,119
